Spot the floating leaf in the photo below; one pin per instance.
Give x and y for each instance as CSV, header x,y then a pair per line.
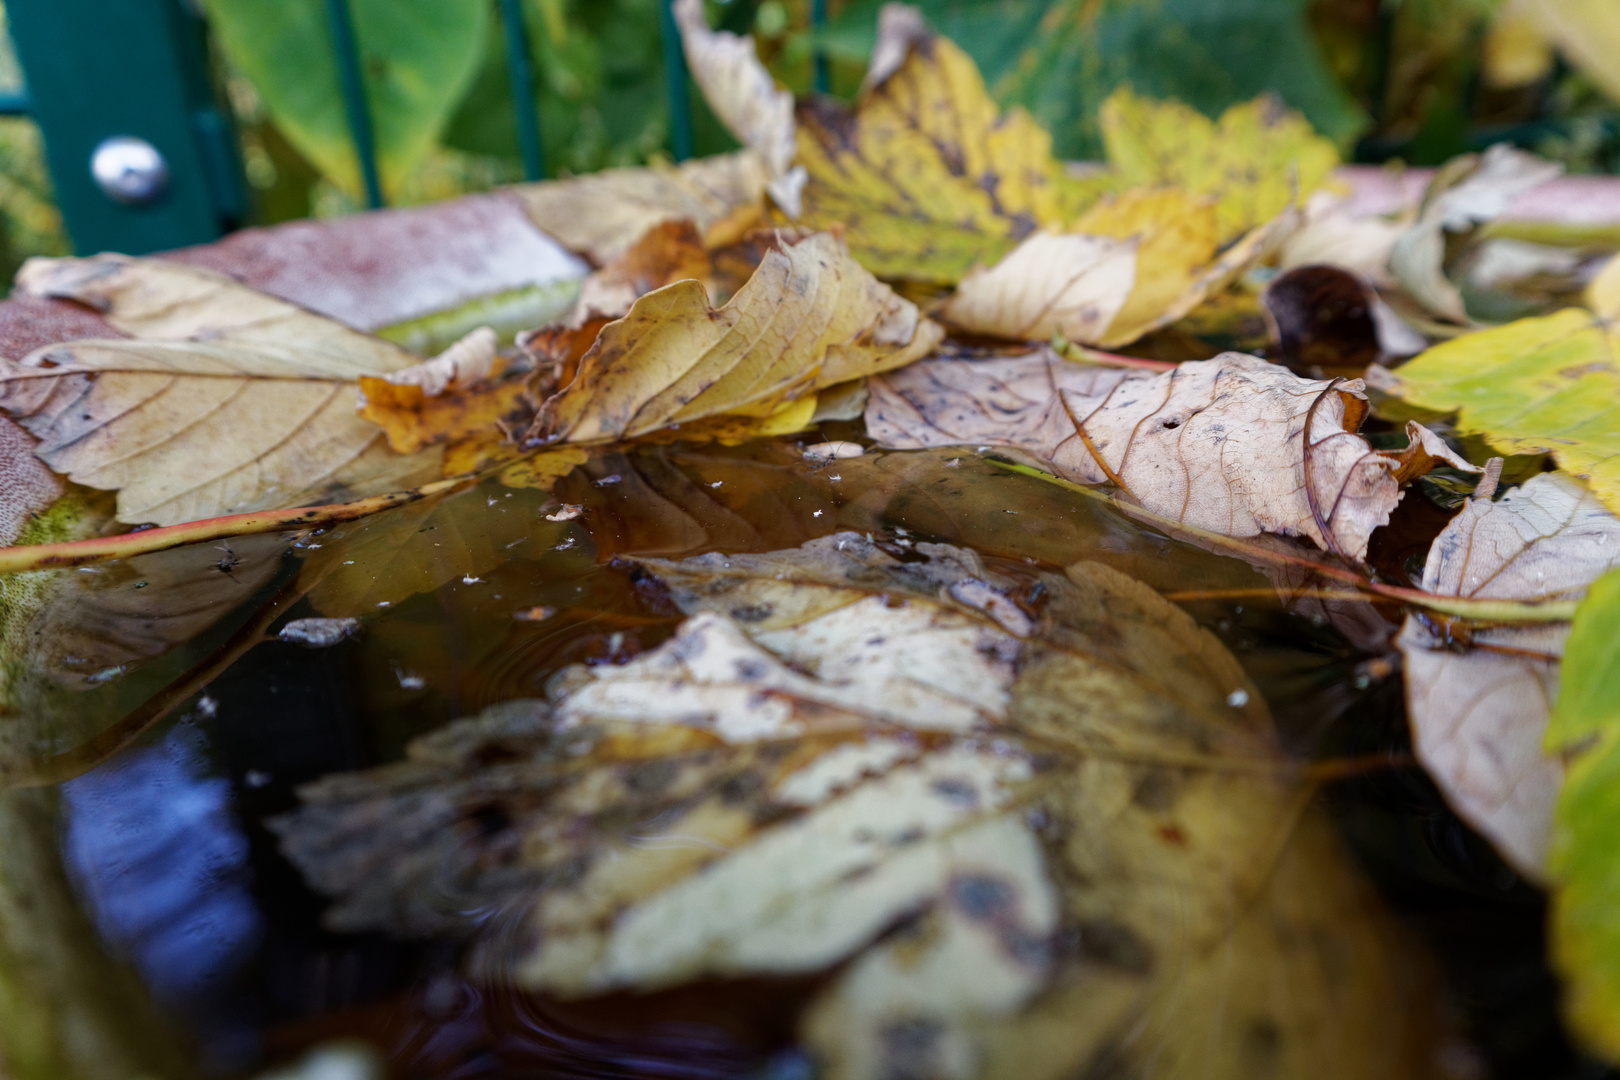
x,y
1010,838
1479,714
1220,444
927,174
456,395
1256,161
226,400
1585,727
417,59
1543,385
602,214
810,317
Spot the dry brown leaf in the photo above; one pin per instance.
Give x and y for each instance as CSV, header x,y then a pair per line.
x,y
744,98
457,395
1022,836
226,400
1217,444
1479,706
602,214
810,317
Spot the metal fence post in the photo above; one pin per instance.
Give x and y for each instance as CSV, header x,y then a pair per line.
x,y
124,84
352,81
680,104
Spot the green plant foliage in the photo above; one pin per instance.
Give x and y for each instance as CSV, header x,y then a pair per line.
x,y
418,58
1061,58
1586,859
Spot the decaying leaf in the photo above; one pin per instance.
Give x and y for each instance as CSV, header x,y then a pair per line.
x,y
810,317
744,98
926,172
1256,161
602,214
456,395
1175,234
1068,284
225,400
1321,320
1479,705
1543,385
1585,728
1468,191
1233,445
1037,853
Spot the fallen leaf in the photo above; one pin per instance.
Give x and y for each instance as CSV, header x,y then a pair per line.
x,y
1217,444
225,400
1479,705
744,98
1176,240
1321,321
1585,31
602,214
1013,833
1465,193
1071,284
810,317
456,395
926,173
1585,730
1255,162
1543,385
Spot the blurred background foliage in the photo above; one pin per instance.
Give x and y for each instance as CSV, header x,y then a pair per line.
x,y
1410,80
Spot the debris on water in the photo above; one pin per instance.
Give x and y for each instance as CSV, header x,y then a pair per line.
x,y
410,681
568,512
256,778
1237,698
469,579
830,451
318,633
609,480
538,613
954,463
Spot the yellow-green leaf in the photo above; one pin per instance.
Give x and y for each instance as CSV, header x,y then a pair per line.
x,y
1586,858
1256,160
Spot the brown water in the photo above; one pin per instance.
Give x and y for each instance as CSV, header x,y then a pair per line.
x,y
175,734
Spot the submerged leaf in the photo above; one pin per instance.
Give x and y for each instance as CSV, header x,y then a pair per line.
x,y
979,790
226,399
927,174
1543,385
809,318
1219,444
1479,705
1258,159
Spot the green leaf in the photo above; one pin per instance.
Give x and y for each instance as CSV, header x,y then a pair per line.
x,y
1586,859
417,56
1061,58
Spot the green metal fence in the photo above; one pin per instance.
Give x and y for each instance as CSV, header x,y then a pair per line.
x,y
144,158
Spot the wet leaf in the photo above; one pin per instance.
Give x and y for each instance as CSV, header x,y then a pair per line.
x,y
1547,384
1257,160
225,400
977,789
809,318
1479,702
1467,192
1322,321
1584,727
927,174
744,98
1220,444
457,395
602,214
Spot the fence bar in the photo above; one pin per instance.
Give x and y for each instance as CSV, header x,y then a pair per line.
x,y
821,79
353,83
680,105
520,76
17,104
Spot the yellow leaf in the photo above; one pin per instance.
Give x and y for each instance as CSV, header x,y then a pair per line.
x,y
451,397
227,400
1516,51
1587,32
1175,233
808,318
1544,385
1254,162
927,173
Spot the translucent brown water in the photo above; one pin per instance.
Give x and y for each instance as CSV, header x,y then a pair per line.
x,y
163,725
